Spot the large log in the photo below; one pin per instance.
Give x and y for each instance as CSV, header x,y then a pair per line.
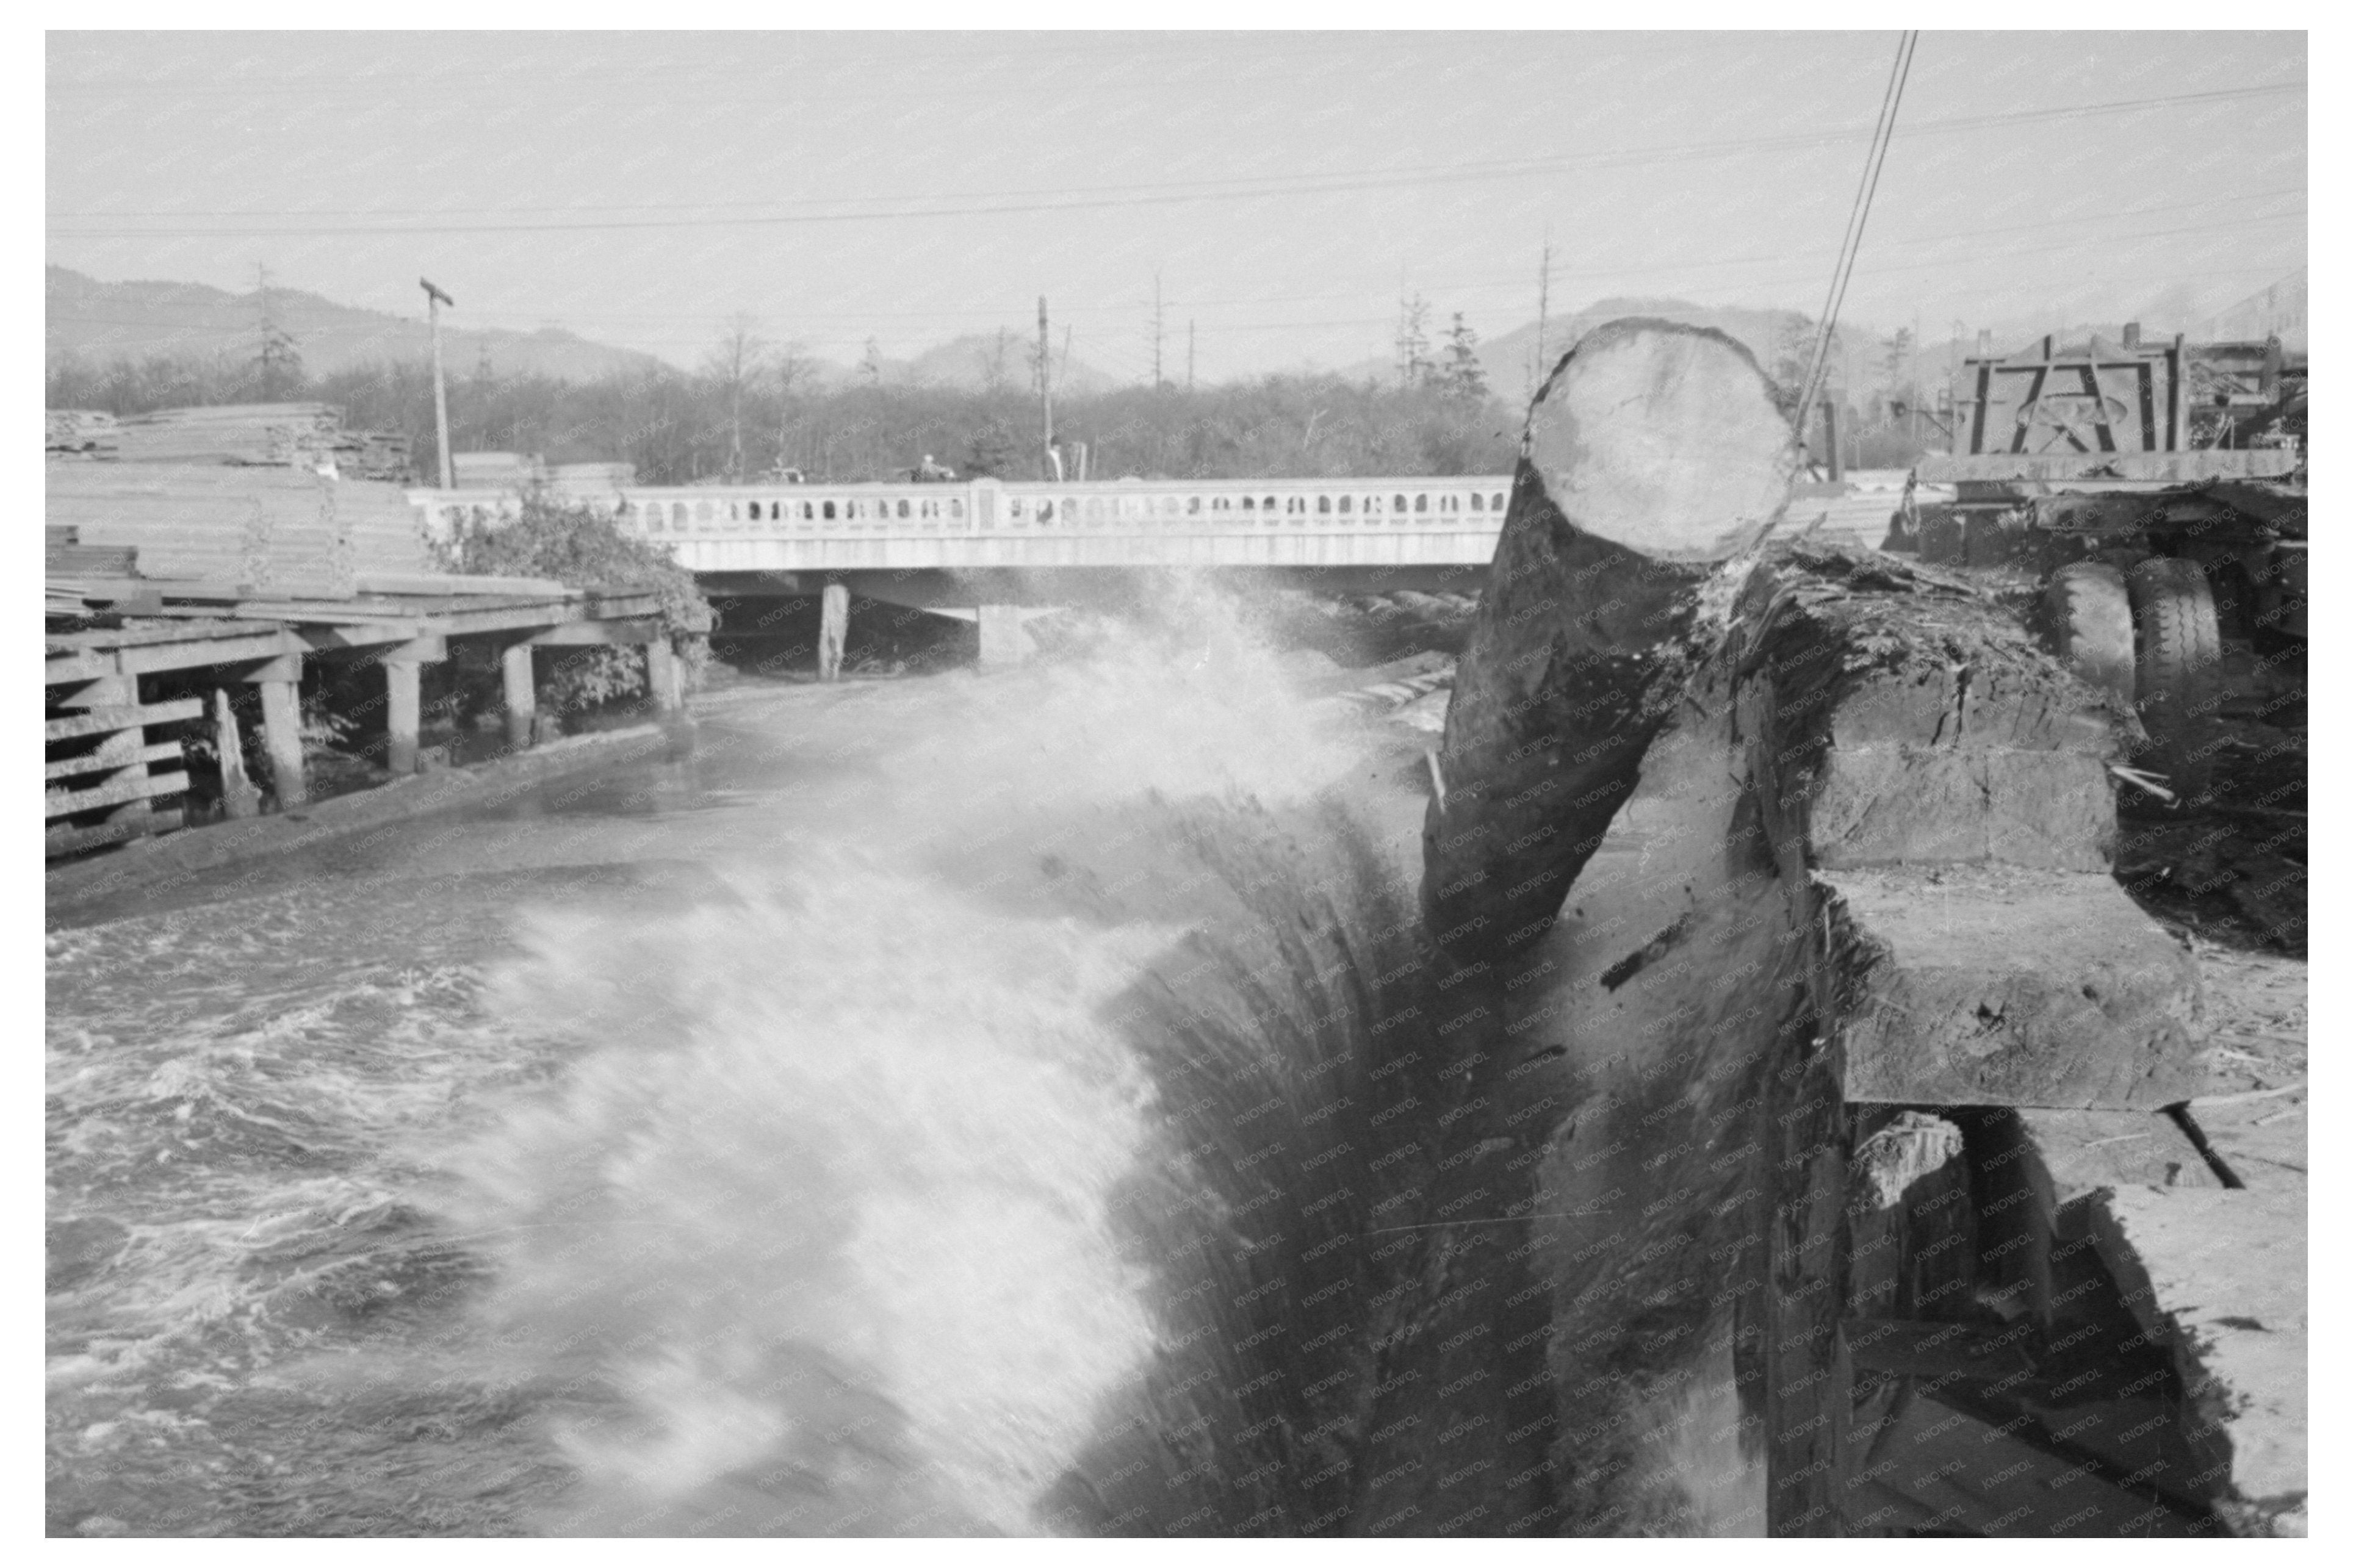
x,y
1653,452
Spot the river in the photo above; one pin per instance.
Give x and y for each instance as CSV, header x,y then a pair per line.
x,y
753,1143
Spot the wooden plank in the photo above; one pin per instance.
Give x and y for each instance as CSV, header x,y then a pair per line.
x,y
579,633
98,761
141,787
219,650
225,589
463,623
460,584
1991,984
357,635
128,637
66,840
89,666
2166,468
104,720
425,649
239,796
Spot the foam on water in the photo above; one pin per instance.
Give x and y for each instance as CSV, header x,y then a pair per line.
x,y
856,1150
784,1208
820,1209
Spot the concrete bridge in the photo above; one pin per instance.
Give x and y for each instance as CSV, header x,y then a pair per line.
x,y
994,551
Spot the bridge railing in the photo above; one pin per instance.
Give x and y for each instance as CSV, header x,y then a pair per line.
x,y
991,507
1471,503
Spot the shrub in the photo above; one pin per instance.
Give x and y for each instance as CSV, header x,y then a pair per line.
x,y
581,547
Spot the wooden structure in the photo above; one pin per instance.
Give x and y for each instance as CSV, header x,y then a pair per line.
x,y
244,541
109,780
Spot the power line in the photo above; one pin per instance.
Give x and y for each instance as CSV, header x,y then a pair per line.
x,y
1859,216
1078,199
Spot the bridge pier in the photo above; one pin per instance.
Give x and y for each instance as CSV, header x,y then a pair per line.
x,y
1003,641
833,631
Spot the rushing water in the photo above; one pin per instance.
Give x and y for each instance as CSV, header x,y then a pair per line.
x,y
812,1135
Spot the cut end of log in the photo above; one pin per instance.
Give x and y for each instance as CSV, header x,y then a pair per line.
x,y
1663,438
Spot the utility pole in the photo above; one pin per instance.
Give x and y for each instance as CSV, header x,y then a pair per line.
x,y
434,300
1189,357
1046,383
1155,331
1543,305
1912,381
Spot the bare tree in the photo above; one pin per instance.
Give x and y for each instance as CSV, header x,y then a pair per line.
x,y
733,364
995,362
1461,375
278,359
794,371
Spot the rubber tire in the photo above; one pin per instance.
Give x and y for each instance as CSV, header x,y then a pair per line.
x,y
2179,674
2087,625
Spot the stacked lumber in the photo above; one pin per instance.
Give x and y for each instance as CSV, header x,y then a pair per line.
x,y
591,481
80,433
270,434
496,470
374,455
264,435
283,531
65,555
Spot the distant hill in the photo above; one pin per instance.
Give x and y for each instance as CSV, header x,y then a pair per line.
x,y
105,321
973,363
1510,358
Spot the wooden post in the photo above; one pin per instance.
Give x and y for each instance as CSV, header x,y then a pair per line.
x,y
1046,388
403,709
400,715
1830,440
833,631
661,673
281,738
239,796
434,300
520,679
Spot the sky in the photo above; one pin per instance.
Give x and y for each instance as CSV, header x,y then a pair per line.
x,y
1285,189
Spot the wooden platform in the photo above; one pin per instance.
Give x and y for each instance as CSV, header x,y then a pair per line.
x,y
109,780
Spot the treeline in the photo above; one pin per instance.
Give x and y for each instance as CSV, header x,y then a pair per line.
x,y
681,427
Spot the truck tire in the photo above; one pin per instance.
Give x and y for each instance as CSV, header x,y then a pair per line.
x,y
2087,625
2179,674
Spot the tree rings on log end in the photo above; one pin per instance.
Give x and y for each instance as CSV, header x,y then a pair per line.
x,y
1663,438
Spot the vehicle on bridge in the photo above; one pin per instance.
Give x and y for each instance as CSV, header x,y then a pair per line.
x,y
2156,493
